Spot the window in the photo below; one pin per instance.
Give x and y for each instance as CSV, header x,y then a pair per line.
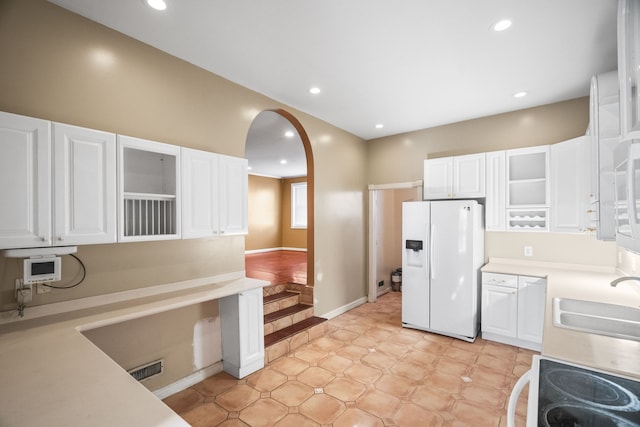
x,y
299,205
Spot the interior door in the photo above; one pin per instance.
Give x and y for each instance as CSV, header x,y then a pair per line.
x,y
453,297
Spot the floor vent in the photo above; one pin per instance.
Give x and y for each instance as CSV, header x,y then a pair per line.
x,y
149,370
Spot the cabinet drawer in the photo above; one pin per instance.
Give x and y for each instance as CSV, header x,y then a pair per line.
x,y
497,279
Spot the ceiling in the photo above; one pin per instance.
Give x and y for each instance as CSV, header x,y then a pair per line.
x,y
407,65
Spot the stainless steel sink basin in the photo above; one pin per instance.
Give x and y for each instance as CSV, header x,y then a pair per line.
x,y
597,318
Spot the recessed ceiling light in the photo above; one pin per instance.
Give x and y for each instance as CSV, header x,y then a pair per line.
x,y
519,94
314,90
289,134
502,25
379,126
157,4
283,162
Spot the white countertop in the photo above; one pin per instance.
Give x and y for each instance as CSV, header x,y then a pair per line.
x,y
51,375
585,283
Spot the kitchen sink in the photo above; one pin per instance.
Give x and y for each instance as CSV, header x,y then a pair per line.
x,y
597,318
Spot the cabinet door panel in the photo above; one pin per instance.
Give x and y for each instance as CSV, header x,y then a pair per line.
x,y
84,185
468,176
496,191
438,178
499,310
531,303
25,171
251,327
200,194
569,185
233,195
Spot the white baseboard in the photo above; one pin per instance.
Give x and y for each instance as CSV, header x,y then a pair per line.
x,y
341,310
188,381
259,251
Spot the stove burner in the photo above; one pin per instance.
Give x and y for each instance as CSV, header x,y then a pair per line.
x,y
576,415
592,389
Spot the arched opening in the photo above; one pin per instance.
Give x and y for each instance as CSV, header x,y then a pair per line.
x,y
266,144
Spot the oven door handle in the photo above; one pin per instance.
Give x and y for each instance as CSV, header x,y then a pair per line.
x,y
513,398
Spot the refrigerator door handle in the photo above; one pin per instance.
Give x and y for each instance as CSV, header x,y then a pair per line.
x,y
431,265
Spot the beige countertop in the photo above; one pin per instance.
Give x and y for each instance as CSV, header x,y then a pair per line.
x,y
51,375
585,283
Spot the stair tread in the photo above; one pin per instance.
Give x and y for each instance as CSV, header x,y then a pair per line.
x,y
279,296
276,336
285,312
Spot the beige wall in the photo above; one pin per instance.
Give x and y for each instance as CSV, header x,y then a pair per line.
x,y
400,158
265,213
291,237
59,66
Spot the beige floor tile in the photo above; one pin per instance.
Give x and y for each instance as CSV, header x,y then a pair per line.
x,y
396,385
334,363
290,366
345,389
322,408
296,420
205,415
266,379
292,393
357,417
363,373
378,403
237,398
366,369
263,413
414,415
316,377
185,400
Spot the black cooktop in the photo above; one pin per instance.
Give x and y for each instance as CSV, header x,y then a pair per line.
x,y
569,396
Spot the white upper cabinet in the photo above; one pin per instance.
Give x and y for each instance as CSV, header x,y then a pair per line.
x,y
629,67
458,177
495,203
61,183
200,195
84,186
234,188
570,185
604,130
148,190
25,171
528,188
214,193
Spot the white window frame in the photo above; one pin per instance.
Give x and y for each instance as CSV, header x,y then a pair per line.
x,y
299,205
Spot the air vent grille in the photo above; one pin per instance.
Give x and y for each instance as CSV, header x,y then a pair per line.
x,y
149,370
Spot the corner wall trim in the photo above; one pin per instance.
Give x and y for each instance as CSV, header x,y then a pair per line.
x,y
341,310
188,381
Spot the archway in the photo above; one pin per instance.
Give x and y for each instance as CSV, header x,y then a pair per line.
x,y
260,129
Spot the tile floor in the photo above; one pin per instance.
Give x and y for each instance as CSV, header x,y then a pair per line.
x,y
367,371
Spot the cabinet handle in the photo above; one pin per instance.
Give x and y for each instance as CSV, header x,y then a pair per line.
x,y
60,238
590,211
44,239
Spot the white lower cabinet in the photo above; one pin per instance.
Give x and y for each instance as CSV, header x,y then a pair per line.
x,y
242,324
513,309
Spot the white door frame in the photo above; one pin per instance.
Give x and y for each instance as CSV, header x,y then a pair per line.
x,y
373,220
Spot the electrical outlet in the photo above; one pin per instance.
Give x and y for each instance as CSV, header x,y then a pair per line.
x,y
528,251
381,283
41,288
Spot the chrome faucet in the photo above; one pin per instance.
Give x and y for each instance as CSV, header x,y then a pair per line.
x,y
623,279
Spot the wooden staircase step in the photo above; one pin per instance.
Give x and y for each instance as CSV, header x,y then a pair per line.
x,y
279,296
289,311
292,330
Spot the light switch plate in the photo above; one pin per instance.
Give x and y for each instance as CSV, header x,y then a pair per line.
x,y
528,251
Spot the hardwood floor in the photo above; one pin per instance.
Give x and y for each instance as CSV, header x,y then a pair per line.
x,y
278,267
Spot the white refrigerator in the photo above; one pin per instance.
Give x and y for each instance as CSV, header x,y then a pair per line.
x,y
442,252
